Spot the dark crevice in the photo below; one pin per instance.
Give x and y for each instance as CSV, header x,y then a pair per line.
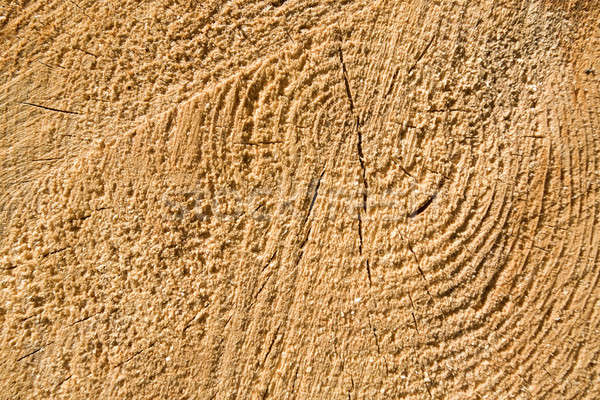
x,y
377,344
83,319
405,171
360,238
421,55
269,262
262,286
189,324
271,345
263,143
63,381
369,273
422,207
29,354
415,321
48,159
278,3
89,53
428,390
440,110
361,160
420,269
314,198
49,66
55,251
137,353
540,248
491,285
535,136
304,241
50,108
346,82
89,215
302,244
80,9
375,335
308,214
412,304
551,376
28,318
34,352
445,177
294,380
389,91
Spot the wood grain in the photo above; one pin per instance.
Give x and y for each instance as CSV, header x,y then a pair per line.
x,y
299,200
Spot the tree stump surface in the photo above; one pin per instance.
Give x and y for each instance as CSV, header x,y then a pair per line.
x,y
300,199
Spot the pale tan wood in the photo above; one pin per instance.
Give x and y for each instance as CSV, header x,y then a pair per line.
x,y
299,200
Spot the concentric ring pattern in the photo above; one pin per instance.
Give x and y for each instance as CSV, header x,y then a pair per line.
x,y
377,200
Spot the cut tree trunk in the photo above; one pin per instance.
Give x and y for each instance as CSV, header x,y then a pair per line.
x,y
300,200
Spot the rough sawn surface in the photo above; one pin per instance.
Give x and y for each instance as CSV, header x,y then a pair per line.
x,y
299,199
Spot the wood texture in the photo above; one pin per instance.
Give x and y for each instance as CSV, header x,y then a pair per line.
x,y
299,199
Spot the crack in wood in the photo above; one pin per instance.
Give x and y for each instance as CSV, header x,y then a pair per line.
x,y
421,55
423,206
34,351
272,343
361,160
50,108
137,353
55,251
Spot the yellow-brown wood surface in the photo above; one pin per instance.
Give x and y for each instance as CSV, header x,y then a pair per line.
x,y
299,199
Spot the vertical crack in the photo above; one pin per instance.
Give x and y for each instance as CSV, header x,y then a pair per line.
x,y
315,194
271,345
377,344
420,270
375,335
346,82
369,273
412,304
342,358
361,158
360,238
420,56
